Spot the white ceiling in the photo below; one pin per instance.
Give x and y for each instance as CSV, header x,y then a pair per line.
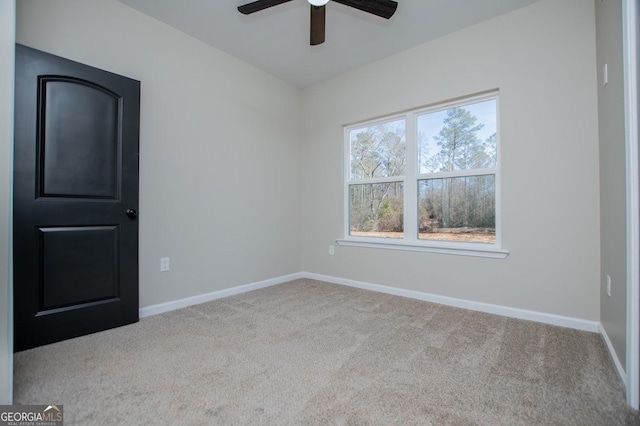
x,y
277,39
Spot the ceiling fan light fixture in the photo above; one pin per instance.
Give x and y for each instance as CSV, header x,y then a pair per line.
x,y
318,2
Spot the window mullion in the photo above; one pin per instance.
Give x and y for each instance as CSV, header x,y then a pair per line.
x,y
376,180
458,173
346,171
410,182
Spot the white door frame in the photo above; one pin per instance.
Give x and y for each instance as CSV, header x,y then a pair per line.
x,y
630,54
7,46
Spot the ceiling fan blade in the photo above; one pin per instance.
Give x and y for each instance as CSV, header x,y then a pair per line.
x,y
318,14
259,5
381,8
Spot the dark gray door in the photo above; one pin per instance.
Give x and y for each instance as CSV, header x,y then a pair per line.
x,y
75,199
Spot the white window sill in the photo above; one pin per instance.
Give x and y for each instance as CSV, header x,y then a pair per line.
x,y
480,251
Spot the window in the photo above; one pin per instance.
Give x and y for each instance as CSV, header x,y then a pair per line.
x,y
427,178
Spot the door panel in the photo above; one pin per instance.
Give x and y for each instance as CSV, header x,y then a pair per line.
x,y
79,266
80,159
75,177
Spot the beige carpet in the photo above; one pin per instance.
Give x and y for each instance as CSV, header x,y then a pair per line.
x,y
308,352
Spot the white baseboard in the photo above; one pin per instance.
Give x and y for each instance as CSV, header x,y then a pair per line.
x,y
613,354
541,317
559,320
202,298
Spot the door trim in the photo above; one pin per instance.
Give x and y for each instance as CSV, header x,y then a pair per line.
x,y
7,49
630,56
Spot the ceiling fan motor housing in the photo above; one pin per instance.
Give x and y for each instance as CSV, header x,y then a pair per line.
x,y
382,8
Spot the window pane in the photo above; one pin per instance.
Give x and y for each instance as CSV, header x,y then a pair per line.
x,y
457,209
377,210
378,151
459,138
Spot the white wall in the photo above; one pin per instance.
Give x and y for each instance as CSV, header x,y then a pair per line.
x,y
219,179
613,232
7,40
542,59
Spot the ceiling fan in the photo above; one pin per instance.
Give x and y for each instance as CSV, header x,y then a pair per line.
x,y
383,8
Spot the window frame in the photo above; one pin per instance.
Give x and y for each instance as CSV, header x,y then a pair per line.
x,y
410,181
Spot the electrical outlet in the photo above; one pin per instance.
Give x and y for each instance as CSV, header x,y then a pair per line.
x,y
164,264
608,286
332,250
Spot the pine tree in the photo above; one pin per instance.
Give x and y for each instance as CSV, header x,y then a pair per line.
x,y
460,147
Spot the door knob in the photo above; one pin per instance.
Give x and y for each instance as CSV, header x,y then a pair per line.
x,y
132,213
